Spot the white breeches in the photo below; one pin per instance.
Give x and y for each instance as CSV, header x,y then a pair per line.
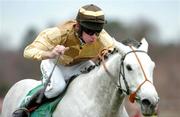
x,y
60,75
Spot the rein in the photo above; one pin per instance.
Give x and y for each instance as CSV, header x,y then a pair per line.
x,y
133,95
102,56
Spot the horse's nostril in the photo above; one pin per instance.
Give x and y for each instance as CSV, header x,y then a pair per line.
x,y
146,102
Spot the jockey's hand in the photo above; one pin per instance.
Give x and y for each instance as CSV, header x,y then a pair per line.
x,y
58,50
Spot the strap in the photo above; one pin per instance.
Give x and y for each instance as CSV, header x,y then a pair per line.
x,y
133,95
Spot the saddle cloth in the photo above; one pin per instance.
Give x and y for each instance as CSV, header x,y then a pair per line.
x,y
47,108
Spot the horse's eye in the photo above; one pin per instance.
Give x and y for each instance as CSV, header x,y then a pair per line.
x,y
129,68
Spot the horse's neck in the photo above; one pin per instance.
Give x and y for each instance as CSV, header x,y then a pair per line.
x,y
106,93
94,94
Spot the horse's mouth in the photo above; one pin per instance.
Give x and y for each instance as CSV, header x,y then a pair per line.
x,y
148,115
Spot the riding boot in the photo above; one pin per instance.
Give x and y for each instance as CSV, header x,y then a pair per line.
x,y
24,111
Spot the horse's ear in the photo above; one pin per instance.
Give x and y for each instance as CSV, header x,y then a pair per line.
x,y
144,45
121,47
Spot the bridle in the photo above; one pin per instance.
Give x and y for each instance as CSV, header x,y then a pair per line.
x,y
132,96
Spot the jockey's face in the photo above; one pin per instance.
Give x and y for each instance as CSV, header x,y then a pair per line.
x,y
89,38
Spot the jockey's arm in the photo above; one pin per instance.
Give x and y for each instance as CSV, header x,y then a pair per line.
x,y
58,50
45,46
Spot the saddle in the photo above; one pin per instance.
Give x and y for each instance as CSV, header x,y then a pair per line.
x,y
48,106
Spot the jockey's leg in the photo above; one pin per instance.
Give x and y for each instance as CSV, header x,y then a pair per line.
x,y
56,85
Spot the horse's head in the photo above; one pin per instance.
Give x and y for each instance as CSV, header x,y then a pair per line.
x,y
137,76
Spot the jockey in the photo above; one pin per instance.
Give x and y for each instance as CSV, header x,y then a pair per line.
x,y
77,42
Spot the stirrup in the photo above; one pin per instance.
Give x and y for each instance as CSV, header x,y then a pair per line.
x,y
25,110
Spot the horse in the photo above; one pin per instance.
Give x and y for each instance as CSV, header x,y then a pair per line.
x,y
127,72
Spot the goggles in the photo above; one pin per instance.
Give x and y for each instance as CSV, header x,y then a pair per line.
x,y
90,32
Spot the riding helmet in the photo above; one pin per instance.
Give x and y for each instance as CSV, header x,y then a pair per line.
x,y
91,17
